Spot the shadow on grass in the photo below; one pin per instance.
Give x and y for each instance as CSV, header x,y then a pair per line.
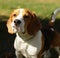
x,y
3,18
7,40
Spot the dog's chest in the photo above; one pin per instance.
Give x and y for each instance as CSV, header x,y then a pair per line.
x,y
27,46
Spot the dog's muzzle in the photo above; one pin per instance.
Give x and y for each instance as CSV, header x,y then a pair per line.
x,y
17,22
18,25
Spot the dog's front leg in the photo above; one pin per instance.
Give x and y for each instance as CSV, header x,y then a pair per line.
x,y
18,54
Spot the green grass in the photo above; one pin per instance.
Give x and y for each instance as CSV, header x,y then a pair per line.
x,y
42,9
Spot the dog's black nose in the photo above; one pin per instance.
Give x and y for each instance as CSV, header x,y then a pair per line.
x,y
17,21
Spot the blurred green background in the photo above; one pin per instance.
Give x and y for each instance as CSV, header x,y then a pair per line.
x,y
43,8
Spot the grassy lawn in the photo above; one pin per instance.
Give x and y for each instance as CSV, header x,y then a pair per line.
x,y
42,8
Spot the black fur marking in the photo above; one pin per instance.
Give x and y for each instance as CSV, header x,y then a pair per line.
x,y
49,36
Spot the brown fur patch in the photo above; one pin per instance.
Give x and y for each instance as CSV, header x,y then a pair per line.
x,y
56,41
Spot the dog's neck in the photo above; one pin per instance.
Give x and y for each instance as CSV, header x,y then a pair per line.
x,y
25,36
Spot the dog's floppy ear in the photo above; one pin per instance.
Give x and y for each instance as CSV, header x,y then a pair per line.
x,y
9,25
34,25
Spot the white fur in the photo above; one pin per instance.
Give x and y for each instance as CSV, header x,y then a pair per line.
x,y
55,14
30,47
13,27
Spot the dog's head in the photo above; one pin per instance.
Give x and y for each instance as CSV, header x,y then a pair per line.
x,y
23,20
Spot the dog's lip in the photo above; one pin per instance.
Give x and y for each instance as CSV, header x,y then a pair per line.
x,y
18,28
14,26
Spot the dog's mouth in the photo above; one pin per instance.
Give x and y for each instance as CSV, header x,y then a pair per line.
x,y
18,28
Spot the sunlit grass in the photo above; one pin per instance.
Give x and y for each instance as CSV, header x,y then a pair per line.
x,y
40,8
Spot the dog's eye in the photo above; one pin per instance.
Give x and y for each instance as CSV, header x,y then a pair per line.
x,y
26,16
14,15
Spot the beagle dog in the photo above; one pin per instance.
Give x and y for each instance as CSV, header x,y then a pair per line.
x,y
31,38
